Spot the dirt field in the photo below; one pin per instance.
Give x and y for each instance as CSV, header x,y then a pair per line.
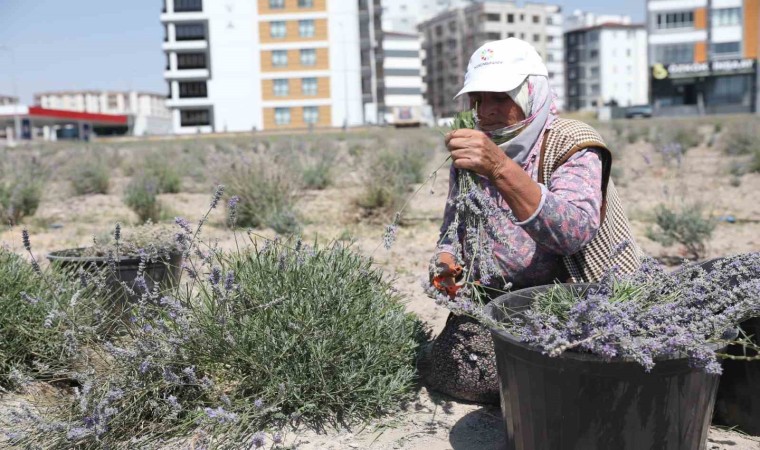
x,y
436,422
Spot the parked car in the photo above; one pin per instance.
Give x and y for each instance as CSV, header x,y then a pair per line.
x,y
638,111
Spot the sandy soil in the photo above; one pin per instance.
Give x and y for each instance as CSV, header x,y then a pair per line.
x,y
432,421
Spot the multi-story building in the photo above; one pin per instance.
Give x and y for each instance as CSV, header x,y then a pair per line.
x,y
403,16
584,19
270,64
606,64
704,56
371,46
147,112
452,36
402,63
8,100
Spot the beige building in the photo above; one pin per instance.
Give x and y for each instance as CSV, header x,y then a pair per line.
x,y
147,111
450,38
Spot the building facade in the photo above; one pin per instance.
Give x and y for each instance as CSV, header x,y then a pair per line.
x,y
606,65
244,65
450,38
704,56
147,112
8,100
404,103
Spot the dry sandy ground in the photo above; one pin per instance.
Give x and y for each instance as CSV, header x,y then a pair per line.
x,y
436,422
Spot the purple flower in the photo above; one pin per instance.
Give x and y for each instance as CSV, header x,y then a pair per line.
x,y
217,196
25,240
258,440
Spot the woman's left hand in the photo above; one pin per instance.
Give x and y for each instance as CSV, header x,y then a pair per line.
x,y
473,150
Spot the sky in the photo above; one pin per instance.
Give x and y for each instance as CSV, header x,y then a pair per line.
x,y
106,44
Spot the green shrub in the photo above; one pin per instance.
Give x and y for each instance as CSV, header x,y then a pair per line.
x,y
741,138
318,168
388,178
688,225
21,189
267,194
141,195
41,320
168,178
265,336
91,176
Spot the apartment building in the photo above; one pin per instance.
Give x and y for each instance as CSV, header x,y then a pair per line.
x,y
704,56
606,64
8,100
243,65
404,102
450,38
147,111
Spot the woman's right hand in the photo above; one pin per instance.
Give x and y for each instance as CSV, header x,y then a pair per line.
x,y
446,273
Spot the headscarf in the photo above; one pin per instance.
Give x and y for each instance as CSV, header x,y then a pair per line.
x,y
536,99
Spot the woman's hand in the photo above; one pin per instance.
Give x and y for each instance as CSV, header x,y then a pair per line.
x,y
473,150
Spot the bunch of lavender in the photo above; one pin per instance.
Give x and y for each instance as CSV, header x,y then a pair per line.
x,y
648,315
475,214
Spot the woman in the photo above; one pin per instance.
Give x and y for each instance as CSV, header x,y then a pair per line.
x,y
558,216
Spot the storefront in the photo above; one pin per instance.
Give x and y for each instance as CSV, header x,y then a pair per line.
x,y
715,87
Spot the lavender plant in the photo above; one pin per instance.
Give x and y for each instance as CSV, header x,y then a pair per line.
x,y
688,225
141,195
44,318
252,340
649,315
91,176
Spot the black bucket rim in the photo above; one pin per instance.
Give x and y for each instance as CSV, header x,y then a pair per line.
x,y
61,256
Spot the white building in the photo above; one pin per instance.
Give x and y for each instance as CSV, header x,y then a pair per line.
x,y
244,65
450,38
8,100
606,65
402,71
147,111
582,19
403,16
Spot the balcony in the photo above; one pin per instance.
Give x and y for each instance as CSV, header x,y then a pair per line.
x,y
183,17
184,45
187,74
188,102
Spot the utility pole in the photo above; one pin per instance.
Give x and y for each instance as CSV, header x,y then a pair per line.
x,y
14,88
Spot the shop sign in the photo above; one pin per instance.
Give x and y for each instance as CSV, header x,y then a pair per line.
x,y
725,67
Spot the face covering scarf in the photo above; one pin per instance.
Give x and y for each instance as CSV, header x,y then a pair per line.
x,y
518,139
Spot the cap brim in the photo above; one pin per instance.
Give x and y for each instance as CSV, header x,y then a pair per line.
x,y
506,83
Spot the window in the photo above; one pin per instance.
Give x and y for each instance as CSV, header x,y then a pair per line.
x,y
113,101
684,19
192,89
439,30
310,114
729,90
674,53
190,32
536,38
549,20
188,5
549,57
452,26
536,19
510,18
593,54
726,16
276,4
306,28
495,17
279,58
309,86
493,36
194,117
522,17
282,116
509,35
549,39
277,29
305,3
281,87
191,61
724,48
308,57
522,36
572,74
594,72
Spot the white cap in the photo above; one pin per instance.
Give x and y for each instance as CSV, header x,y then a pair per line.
x,y
501,66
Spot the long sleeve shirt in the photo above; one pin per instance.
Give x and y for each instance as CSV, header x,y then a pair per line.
x,y
567,218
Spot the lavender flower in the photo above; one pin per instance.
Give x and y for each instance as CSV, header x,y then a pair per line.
x,y
277,438
229,281
25,240
217,196
220,415
258,440
389,237
117,232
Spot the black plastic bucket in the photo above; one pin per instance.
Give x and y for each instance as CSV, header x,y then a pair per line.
x,y
163,271
738,400
579,401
